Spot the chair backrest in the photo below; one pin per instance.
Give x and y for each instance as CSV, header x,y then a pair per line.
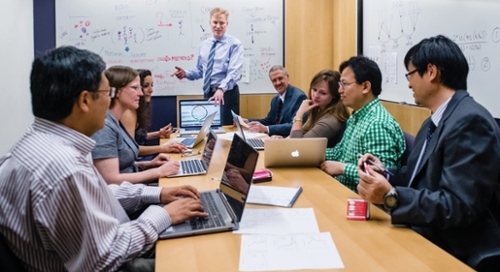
x,y
8,261
409,139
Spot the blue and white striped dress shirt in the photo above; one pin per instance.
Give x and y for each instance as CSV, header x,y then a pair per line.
x,y
57,213
228,62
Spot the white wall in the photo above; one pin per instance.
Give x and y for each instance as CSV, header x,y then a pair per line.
x,y
16,55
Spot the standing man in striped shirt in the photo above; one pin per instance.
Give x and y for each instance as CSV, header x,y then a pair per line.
x,y
220,60
370,129
57,213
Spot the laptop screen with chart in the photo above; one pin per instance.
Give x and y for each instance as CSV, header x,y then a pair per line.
x,y
192,113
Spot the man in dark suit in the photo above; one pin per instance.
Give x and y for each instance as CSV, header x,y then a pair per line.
x,y
449,192
283,106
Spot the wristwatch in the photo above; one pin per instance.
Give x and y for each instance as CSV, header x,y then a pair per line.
x,y
391,199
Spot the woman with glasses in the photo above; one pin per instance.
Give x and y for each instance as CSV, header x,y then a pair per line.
x,y
326,115
116,152
137,122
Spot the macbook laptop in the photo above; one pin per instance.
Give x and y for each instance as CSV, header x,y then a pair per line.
x,y
194,112
225,205
198,166
191,142
294,152
254,142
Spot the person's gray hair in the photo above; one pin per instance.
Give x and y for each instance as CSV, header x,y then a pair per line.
x,y
278,68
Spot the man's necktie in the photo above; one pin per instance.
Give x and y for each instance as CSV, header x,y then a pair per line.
x,y
208,72
278,112
430,132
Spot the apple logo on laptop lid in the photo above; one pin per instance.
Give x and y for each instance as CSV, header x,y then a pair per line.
x,y
295,153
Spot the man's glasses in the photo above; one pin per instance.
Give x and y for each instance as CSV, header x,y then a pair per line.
x,y
407,75
111,92
343,84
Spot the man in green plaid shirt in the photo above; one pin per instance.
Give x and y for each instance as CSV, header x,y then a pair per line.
x,y
370,129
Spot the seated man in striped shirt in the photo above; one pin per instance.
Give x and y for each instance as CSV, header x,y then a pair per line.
x,y
370,128
57,212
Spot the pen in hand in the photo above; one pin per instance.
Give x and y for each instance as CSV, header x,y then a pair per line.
x,y
381,168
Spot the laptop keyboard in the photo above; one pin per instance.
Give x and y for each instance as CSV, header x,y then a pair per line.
x,y
188,141
256,142
192,167
192,129
214,218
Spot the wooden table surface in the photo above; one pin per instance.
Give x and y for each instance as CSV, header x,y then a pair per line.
x,y
373,245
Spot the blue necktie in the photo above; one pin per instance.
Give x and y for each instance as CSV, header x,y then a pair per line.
x,y
278,112
210,66
430,132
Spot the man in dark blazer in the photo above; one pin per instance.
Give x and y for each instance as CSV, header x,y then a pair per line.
x,y
449,192
279,122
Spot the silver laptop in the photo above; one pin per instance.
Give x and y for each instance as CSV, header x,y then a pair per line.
x,y
225,205
198,166
192,114
255,142
191,142
300,152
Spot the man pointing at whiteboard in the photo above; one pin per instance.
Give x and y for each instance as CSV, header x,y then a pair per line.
x,y
220,60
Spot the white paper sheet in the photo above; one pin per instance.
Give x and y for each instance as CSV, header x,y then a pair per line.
x,y
279,220
289,252
273,195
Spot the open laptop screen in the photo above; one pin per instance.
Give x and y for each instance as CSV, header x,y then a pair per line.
x,y
238,173
239,130
194,112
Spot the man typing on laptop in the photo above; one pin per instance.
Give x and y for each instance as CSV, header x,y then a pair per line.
x,y
58,213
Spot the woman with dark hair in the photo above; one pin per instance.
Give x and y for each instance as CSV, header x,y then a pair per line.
x,y
116,152
326,114
137,122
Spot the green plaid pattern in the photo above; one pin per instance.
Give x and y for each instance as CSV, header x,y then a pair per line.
x,y
369,130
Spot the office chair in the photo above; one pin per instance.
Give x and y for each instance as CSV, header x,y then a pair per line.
x,y
8,261
409,139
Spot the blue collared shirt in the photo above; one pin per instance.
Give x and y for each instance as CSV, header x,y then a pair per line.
x,y
228,62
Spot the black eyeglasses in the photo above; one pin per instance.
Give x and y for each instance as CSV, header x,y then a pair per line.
x,y
111,92
407,75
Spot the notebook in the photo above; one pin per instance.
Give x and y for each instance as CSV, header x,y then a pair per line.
x,y
294,152
225,205
254,142
191,142
198,166
192,114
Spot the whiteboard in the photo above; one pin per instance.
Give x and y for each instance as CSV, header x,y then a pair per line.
x,y
391,28
161,34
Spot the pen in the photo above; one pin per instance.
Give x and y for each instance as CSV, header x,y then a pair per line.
x,y
385,170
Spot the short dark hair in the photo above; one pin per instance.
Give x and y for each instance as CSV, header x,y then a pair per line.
x,y
58,77
446,55
365,69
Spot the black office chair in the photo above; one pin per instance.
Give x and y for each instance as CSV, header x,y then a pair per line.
x,y
409,139
8,261
490,263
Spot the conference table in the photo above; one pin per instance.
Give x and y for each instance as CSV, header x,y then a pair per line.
x,y
371,245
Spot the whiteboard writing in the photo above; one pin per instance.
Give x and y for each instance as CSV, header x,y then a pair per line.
x,y
161,34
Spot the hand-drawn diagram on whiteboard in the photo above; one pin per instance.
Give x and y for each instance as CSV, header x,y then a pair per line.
x,y
161,34
398,22
392,27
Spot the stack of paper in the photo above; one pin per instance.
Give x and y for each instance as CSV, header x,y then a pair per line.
x,y
273,195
